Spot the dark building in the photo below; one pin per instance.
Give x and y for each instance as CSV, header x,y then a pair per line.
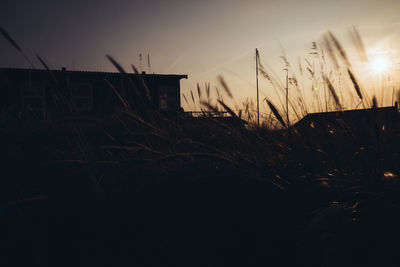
x,y
40,92
387,117
362,126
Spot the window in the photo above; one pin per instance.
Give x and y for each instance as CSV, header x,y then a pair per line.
x,y
33,97
81,97
163,99
166,99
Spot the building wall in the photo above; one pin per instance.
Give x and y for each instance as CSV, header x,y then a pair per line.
x,y
84,93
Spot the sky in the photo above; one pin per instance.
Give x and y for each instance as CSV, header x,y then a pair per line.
x,y
203,39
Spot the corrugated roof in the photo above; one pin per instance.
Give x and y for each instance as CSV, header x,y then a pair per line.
x,y
180,76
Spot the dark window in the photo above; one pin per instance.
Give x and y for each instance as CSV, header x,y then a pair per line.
x,y
33,97
165,100
81,97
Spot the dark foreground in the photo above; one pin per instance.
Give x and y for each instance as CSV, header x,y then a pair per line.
x,y
82,192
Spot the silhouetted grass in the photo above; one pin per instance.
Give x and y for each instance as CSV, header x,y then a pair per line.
x,y
150,189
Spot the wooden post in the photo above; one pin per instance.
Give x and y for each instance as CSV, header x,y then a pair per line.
x,y
287,93
258,101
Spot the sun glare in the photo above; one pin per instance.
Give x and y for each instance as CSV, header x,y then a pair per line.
x,y
380,64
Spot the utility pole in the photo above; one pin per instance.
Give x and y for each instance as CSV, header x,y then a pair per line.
x,y
258,102
287,92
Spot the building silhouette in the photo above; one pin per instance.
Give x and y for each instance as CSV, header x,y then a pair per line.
x,y
43,93
386,117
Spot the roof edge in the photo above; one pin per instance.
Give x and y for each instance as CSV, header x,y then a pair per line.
x,y
181,76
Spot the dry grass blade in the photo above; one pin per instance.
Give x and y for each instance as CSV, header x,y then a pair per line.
x,y
398,97
121,70
206,146
331,54
208,85
8,37
308,63
225,86
195,155
355,84
228,109
276,84
124,103
339,47
47,68
374,102
148,62
114,147
333,92
311,72
287,65
116,64
134,147
191,93
300,67
184,97
139,120
293,81
276,113
356,37
219,96
10,40
264,73
198,91
146,89
43,63
314,49
268,76
209,106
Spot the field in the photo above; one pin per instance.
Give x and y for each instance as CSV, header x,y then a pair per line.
x,y
140,188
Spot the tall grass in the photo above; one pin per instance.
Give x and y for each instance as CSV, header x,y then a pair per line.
x,y
155,188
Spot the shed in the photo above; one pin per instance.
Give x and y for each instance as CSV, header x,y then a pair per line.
x,y
40,91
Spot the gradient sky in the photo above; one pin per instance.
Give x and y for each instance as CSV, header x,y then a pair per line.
x,y
200,38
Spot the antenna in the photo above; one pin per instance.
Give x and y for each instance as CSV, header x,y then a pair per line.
x,y
287,91
258,102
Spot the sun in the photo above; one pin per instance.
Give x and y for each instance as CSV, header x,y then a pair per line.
x,y
380,64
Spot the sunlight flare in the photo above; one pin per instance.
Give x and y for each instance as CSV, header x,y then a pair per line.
x,y
380,64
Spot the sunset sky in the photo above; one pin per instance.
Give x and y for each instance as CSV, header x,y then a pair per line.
x,y
200,38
